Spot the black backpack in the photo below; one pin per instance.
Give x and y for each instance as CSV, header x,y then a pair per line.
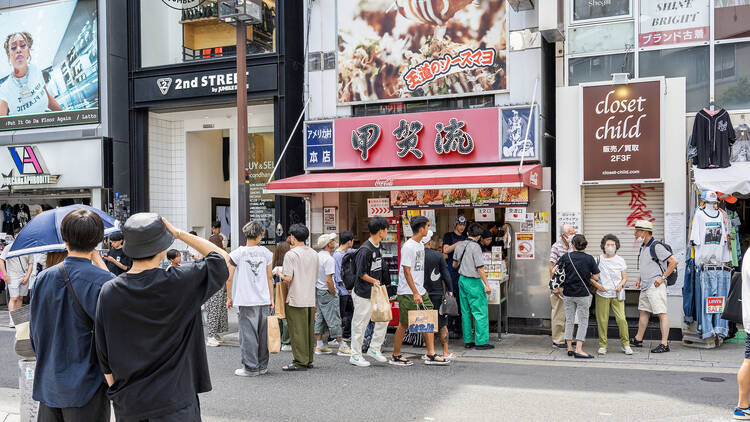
x,y
349,269
672,278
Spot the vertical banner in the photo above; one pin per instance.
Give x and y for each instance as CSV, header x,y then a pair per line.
x,y
514,143
319,146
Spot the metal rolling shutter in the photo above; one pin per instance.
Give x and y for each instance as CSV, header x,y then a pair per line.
x,y
606,212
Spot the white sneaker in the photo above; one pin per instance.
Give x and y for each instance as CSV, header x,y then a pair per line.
x,y
242,372
627,350
333,343
345,351
358,361
322,351
375,354
602,351
263,371
286,348
212,342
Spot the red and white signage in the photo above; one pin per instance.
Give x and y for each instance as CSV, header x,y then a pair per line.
x,y
418,139
516,214
379,207
525,248
674,22
715,305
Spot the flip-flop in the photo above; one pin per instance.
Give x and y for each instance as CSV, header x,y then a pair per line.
x,y
292,367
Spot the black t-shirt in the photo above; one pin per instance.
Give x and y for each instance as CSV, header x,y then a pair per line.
x,y
149,336
120,257
435,272
369,261
586,266
449,239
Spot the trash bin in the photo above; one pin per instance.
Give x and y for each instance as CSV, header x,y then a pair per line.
x,y
29,407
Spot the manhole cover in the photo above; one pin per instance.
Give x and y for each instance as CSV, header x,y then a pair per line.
x,y
712,379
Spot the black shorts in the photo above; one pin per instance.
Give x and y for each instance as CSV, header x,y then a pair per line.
x,y
437,300
747,347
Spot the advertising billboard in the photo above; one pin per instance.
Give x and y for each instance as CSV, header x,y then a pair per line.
x,y
420,48
51,73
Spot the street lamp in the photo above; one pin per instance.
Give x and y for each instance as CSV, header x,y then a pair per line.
x,y
241,13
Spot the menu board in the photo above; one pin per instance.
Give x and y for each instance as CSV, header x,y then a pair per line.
x,y
459,198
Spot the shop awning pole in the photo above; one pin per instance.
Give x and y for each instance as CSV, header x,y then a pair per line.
x,y
281,157
528,125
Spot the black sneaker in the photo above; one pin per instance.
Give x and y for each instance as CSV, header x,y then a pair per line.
x,y
636,343
468,345
485,347
661,348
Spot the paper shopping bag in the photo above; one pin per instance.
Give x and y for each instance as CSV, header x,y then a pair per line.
x,y
423,321
381,306
279,302
274,334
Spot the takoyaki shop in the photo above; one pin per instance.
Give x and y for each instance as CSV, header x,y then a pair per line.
x,y
447,166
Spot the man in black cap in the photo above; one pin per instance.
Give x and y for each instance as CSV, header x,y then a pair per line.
x,y
149,333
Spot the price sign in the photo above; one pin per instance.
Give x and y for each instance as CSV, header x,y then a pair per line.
x,y
715,305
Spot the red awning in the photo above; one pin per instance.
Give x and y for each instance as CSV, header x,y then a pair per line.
x,y
387,180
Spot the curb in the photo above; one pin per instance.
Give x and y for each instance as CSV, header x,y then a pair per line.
x,y
551,358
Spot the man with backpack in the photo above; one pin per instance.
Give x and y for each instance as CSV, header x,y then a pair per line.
x,y
657,266
346,306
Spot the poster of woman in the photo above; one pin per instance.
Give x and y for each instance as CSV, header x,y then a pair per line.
x,y
51,75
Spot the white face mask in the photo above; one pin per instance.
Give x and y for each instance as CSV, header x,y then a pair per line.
x,y
610,251
639,240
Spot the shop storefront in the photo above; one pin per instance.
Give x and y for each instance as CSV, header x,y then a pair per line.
x,y
705,43
62,137
185,117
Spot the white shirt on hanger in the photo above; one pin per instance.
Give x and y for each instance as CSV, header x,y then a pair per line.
x,y
709,234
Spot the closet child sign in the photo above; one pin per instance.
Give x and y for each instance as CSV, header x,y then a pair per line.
x,y
621,131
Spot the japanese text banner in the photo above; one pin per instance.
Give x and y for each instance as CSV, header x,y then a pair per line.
x,y
416,139
397,49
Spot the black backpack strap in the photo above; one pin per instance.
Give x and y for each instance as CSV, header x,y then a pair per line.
x,y
79,308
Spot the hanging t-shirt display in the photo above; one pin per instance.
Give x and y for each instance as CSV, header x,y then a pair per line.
x,y
712,136
709,234
741,146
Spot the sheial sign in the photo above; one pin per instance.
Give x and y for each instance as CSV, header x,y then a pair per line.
x,y
621,131
183,4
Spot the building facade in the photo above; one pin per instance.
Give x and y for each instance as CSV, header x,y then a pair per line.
x,y
62,100
183,113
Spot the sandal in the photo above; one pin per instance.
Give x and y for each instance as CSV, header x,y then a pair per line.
x,y
636,343
292,367
433,360
400,361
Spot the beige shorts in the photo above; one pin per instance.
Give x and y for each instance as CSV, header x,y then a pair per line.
x,y
654,300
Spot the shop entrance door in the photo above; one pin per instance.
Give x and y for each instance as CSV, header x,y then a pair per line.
x,y
207,179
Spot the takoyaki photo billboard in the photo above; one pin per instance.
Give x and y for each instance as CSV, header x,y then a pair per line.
x,y
50,75
392,50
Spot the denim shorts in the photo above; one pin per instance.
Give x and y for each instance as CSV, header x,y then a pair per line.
x,y
747,347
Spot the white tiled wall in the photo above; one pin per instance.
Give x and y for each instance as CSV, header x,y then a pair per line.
x,y
166,165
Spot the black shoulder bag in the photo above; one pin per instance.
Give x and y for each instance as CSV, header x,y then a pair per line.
x,y
81,313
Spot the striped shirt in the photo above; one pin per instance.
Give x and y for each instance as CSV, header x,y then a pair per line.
x,y
558,250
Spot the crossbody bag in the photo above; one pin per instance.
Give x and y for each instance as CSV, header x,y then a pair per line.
x,y
81,312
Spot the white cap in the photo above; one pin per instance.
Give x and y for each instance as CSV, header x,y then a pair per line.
x,y
427,237
325,239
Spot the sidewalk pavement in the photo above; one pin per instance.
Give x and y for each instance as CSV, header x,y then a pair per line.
x,y
10,404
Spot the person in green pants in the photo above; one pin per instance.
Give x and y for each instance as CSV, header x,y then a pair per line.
x,y
612,279
474,288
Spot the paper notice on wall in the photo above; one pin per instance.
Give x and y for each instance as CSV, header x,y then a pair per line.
x,y
525,248
484,214
541,222
430,214
572,218
675,235
494,297
527,225
517,214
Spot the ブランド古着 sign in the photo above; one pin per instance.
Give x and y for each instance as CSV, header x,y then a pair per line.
x,y
665,22
319,146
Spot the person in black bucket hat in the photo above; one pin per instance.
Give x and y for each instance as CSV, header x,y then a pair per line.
x,y
149,333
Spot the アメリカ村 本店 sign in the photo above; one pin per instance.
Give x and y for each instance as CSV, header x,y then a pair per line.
x,y
621,131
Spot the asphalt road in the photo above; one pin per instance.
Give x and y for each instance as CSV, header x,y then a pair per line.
x,y
469,390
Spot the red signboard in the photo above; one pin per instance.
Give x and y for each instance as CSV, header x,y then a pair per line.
x,y
418,139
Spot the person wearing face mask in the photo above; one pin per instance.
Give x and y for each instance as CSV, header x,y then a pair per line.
x,y
557,319
653,284
612,279
24,91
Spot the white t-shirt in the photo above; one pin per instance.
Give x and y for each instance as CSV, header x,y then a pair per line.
x,y
326,267
610,274
709,234
25,95
412,256
250,285
16,267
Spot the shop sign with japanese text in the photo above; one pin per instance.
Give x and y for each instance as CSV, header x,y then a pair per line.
x,y
418,139
621,131
319,146
665,22
406,49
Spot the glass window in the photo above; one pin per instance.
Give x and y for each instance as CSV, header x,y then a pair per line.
x,y
595,9
170,36
732,75
596,38
678,23
599,68
732,19
329,60
260,163
314,61
691,63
